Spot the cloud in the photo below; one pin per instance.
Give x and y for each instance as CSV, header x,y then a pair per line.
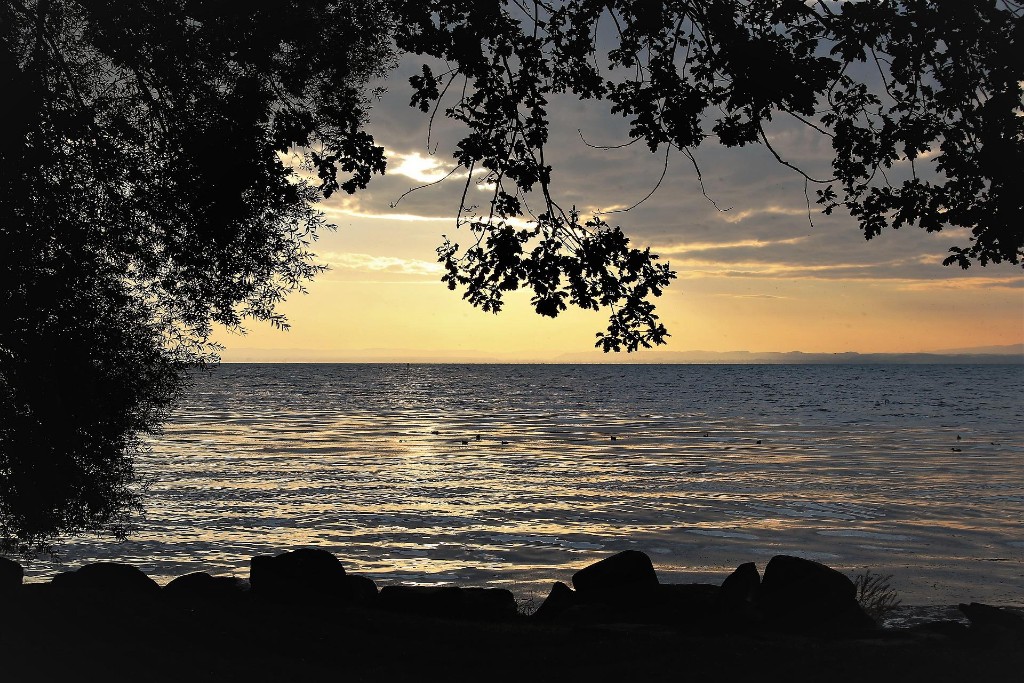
x,y
760,269
977,282
738,216
356,210
368,263
688,247
907,274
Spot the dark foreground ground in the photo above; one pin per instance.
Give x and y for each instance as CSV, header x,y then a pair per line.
x,y
43,639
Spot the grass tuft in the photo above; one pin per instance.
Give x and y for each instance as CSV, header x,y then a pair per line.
x,y
876,595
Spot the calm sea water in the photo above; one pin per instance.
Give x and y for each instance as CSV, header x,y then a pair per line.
x,y
516,475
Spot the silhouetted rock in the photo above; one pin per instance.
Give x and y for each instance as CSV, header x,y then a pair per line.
x,y
307,573
360,590
488,603
787,575
451,602
804,595
734,604
636,601
986,616
11,575
105,579
626,577
559,599
740,587
438,601
203,586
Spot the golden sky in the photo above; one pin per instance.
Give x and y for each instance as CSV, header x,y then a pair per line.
x,y
754,273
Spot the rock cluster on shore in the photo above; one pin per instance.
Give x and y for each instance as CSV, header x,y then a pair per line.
x,y
794,595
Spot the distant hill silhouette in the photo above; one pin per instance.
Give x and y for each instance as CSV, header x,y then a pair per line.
x,y
1012,353
1006,349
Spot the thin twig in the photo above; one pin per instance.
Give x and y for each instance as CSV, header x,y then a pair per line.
x,y
700,178
425,185
787,164
664,171
588,144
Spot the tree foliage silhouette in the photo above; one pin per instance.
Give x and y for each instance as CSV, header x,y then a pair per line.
x,y
934,85
163,158
147,195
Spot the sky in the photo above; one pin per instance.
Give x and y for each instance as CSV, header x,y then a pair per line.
x,y
755,272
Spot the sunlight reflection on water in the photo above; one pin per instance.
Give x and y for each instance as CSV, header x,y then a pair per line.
x,y
521,474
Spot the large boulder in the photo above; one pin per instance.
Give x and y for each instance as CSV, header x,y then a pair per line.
x,y
435,601
11,575
450,602
803,595
203,586
741,587
987,617
307,573
624,588
735,603
676,604
798,579
560,599
105,580
489,603
360,590
624,578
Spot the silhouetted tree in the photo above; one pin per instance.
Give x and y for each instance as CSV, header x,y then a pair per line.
x,y
146,195
936,83
85,374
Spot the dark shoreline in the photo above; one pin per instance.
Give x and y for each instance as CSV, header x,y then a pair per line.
x,y
204,642
300,617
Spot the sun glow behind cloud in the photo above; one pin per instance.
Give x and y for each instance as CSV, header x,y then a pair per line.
x,y
422,169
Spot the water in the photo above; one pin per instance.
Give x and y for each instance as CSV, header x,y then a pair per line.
x,y
516,476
